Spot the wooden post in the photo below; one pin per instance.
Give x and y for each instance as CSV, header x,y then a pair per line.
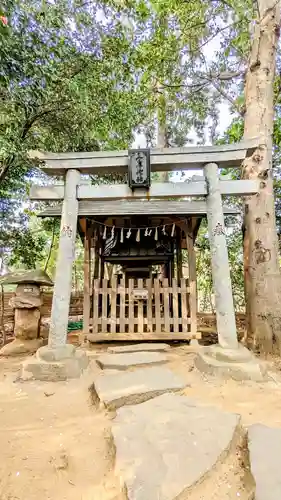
x,y
66,255
96,276
191,277
96,257
169,271
172,263
179,255
175,295
101,268
87,283
225,314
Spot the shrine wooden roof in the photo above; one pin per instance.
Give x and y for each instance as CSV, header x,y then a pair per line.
x,y
138,207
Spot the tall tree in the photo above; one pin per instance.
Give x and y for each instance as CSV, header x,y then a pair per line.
x,y
65,84
261,260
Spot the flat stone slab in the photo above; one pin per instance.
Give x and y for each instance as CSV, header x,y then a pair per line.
x,y
166,445
265,458
145,347
119,389
122,361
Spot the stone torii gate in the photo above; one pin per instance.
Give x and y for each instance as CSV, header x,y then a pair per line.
x,y
59,360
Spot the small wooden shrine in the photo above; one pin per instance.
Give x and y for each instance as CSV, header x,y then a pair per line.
x,y
148,290
140,265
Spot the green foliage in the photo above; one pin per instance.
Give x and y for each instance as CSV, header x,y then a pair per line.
x,y
33,249
204,274
82,76
86,76
62,87
235,134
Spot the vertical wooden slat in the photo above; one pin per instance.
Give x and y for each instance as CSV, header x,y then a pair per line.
x,y
101,269
166,305
179,255
193,308
113,304
87,278
140,308
122,306
169,270
172,263
108,302
175,306
192,278
149,305
104,306
96,257
96,304
183,304
157,305
96,266
131,306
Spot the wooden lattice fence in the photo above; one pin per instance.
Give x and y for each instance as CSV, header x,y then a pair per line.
x,y
141,308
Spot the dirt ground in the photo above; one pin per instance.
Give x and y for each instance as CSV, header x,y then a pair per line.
x,y
55,445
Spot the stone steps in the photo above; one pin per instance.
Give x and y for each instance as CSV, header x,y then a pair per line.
x,y
133,387
170,447
144,347
166,445
265,458
123,361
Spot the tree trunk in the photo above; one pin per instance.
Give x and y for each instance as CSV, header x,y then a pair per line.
x,y
161,140
261,263
162,143
162,128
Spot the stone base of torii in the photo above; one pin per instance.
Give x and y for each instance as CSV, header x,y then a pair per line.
x,y
59,361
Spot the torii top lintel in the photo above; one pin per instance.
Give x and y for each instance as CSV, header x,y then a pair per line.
x,y
167,159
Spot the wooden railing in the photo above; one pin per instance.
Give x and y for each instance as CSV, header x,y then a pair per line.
x,y
140,309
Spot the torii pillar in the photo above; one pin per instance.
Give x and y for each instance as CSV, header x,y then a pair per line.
x,y
225,314
66,255
59,360
226,358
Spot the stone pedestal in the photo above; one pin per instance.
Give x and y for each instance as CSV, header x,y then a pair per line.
x,y
54,364
27,323
26,303
238,364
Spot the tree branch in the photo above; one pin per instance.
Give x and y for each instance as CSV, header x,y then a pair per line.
x,y
28,124
218,32
180,85
224,76
5,167
227,75
228,98
4,171
51,246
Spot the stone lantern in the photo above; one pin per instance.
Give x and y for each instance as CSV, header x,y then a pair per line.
x,y
26,302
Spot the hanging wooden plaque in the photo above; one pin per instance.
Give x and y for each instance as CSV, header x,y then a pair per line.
x,y
139,168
